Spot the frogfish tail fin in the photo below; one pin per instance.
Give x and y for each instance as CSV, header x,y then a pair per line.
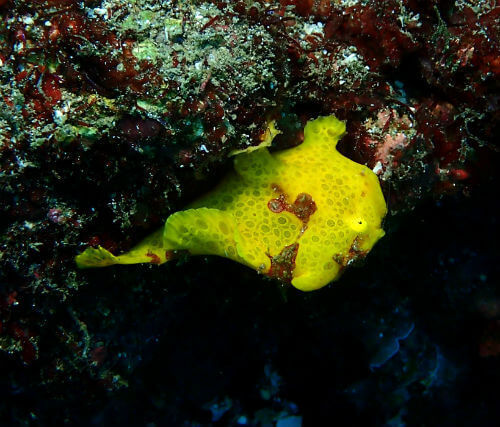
x,y
95,257
151,250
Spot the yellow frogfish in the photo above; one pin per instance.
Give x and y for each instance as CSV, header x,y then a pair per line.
x,y
300,215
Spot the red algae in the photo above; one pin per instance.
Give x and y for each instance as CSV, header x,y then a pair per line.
x,y
155,259
283,264
303,206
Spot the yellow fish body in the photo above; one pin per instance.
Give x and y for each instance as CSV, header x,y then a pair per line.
x,y
300,215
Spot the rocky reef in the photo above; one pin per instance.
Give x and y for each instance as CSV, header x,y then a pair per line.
x,y
117,113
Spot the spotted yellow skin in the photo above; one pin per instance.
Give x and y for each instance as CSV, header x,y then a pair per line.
x,y
235,219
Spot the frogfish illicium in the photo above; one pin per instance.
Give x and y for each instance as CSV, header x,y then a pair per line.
x,y
300,215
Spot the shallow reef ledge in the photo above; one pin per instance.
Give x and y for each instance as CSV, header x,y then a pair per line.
x,y
116,114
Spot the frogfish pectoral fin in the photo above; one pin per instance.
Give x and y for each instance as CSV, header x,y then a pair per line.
x,y
313,270
251,252
208,231
311,281
202,231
